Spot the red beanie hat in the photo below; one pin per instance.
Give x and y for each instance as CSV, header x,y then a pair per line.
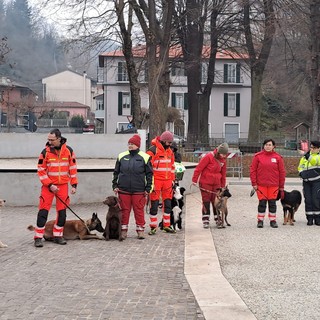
x,y
136,140
166,136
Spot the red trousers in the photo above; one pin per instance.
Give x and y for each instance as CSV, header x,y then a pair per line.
x,y
135,202
47,196
163,188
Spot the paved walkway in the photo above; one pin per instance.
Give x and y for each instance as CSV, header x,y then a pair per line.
x,y
162,277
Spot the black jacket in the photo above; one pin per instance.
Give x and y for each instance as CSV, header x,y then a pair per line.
x,y
133,172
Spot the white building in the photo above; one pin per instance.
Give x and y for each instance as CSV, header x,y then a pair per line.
x,y
229,102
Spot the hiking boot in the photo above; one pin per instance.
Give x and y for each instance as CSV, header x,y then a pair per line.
x,y
59,240
273,224
310,219
260,224
38,243
206,225
152,232
140,235
169,230
310,223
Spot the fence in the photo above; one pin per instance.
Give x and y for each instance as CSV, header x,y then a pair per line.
x,y
55,123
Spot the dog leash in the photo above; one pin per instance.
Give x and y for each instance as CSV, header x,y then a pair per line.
x,y
73,212
206,190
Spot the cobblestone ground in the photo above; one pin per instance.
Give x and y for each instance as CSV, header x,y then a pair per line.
x,y
94,279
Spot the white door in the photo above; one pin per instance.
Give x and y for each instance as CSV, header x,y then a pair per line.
x,y
232,132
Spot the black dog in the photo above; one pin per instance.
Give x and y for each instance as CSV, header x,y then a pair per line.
x,y
177,204
113,225
290,203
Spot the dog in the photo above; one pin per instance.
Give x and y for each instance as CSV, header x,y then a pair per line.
x,y
113,225
2,202
220,209
290,204
74,229
177,204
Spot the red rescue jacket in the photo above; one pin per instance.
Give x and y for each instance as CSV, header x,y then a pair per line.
x,y
57,166
162,161
212,171
267,169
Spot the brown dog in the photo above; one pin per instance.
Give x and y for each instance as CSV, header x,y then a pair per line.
x,y
75,229
220,208
2,202
113,225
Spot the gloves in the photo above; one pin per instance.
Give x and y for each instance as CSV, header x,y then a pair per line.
x,y
53,188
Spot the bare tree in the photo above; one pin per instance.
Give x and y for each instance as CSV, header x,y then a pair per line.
x,y
126,34
258,45
315,64
4,49
156,22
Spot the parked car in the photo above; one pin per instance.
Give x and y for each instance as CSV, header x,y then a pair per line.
x,y
88,128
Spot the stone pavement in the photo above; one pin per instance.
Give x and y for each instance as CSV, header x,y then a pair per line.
x,y
94,279
162,277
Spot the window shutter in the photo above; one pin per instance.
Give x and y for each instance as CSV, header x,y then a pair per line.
x,y
225,73
173,99
185,101
238,104
225,113
238,73
119,71
119,103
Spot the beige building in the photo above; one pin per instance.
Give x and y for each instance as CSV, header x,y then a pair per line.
x,y
70,86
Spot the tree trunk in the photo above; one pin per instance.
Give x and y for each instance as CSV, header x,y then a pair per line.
x,y
256,107
315,66
131,65
258,61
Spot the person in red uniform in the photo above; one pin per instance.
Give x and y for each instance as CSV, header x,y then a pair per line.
x,y
211,174
132,182
162,160
56,168
267,175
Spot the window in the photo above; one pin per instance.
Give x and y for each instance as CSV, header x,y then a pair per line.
x,y
179,100
232,105
122,72
231,73
178,69
99,105
124,104
121,126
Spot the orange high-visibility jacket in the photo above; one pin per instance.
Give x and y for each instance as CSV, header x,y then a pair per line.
x,y
162,161
57,166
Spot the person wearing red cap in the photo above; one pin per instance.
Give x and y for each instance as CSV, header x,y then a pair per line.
x,y
162,160
132,182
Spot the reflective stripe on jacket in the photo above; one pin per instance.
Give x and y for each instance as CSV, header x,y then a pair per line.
x,y
309,167
57,166
162,161
133,172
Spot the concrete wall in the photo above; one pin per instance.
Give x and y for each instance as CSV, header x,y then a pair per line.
x,y
23,188
29,145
